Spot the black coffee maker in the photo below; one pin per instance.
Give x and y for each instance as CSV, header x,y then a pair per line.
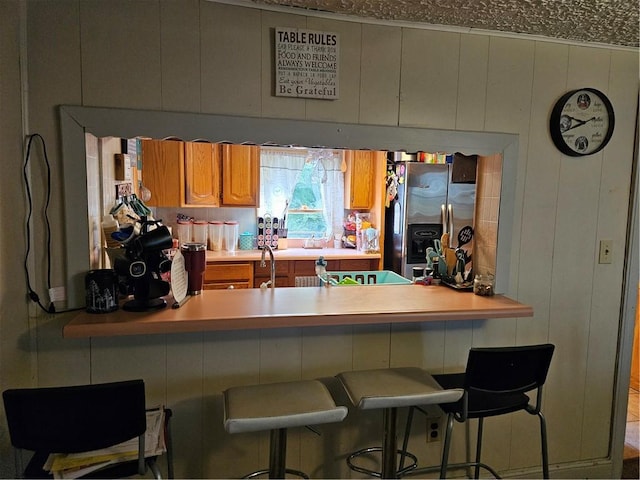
x,y
142,267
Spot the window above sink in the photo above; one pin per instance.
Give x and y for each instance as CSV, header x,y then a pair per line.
x,y
305,187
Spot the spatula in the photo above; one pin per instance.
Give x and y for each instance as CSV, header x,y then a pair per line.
x,y
465,235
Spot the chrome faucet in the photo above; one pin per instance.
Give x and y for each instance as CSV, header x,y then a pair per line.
x,y
273,264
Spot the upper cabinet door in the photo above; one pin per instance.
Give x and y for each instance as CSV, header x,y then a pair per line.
x,y
359,182
240,175
202,174
163,172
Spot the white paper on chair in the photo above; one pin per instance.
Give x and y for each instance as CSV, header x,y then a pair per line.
x,y
74,465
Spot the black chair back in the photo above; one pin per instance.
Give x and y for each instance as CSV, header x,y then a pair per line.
x,y
76,418
508,369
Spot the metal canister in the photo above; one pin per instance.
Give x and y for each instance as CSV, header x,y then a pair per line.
x,y
416,273
246,241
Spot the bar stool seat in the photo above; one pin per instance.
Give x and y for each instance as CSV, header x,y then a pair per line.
x,y
389,389
277,407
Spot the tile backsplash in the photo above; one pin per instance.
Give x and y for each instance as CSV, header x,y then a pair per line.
x,y
485,242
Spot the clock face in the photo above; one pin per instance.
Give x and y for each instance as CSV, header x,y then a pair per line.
x,y
581,122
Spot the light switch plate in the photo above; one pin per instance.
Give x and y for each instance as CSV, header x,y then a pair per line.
x,y
605,251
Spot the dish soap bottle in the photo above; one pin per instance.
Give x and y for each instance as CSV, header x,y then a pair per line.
x,y
321,271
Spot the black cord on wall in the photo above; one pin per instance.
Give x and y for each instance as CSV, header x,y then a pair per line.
x,y
33,295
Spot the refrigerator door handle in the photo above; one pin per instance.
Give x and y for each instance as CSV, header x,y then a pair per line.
x,y
450,227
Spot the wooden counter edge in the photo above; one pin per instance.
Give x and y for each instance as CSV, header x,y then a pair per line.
x,y
79,327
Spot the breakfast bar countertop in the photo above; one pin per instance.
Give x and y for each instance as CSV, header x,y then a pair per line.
x,y
255,308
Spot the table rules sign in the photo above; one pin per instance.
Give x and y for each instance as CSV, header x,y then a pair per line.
x,y
307,63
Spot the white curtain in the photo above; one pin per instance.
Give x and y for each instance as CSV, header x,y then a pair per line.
x,y
280,169
331,179
279,172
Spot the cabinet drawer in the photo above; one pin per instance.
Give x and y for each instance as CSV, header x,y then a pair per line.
x,y
308,267
282,268
221,271
280,281
358,264
225,285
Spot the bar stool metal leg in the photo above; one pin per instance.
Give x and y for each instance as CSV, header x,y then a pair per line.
x,y
277,457
389,454
478,448
277,453
389,451
405,441
447,446
545,452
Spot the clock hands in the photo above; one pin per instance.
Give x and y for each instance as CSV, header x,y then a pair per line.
x,y
581,122
578,122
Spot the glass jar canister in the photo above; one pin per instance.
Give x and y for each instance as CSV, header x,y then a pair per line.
x,y
483,285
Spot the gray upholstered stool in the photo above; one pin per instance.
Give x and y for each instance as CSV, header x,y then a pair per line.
x,y
276,407
390,389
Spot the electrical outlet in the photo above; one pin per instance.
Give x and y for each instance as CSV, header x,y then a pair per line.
x,y
433,429
606,254
57,294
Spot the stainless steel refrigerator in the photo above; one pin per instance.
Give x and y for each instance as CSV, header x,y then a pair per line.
x,y
431,199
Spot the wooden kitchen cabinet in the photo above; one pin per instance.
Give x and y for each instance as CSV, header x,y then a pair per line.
x,y
303,268
283,273
221,275
181,174
240,175
163,172
358,264
202,174
359,179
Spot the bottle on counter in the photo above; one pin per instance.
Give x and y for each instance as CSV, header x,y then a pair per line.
x,y
321,271
437,277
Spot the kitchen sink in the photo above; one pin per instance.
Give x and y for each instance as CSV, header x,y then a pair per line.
x,y
372,277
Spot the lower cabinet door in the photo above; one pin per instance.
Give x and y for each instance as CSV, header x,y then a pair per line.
x,y
220,275
226,285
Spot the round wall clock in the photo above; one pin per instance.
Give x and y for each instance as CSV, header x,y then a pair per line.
x,y
581,122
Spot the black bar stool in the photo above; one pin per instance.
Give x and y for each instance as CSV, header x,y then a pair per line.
x,y
277,407
495,382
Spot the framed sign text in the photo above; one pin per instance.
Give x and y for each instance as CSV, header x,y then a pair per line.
x,y
307,63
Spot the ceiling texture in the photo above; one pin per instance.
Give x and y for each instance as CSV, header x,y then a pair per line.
x,y
609,22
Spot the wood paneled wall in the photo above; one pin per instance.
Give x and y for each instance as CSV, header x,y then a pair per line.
x,y
635,357
203,56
